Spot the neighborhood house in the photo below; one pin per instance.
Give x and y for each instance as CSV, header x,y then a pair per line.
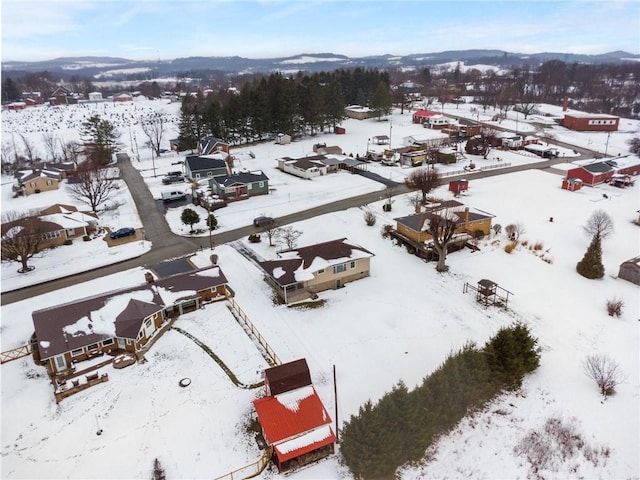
x,y
206,166
470,222
239,185
300,273
123,320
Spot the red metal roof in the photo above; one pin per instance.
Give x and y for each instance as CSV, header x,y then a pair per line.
x,y
290,414
425,113
306,443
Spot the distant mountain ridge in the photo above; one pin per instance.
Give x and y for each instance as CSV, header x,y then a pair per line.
x,y
115,68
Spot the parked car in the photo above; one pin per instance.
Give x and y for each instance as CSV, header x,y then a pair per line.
x,y
262,221
173,195
173,178
123,232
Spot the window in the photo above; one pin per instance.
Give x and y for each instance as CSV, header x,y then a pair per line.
x,y
249,186
140,335
340,268
260,184
128,341
108,341
77,352
49,183
197,175
148,323
352,264
93,347
320,271
209,174
33,184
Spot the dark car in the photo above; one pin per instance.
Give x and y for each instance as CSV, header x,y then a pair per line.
x,y
169,179
260,222
123,232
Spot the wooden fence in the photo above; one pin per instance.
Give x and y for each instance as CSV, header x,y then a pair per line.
x,y
15,353
272,358
250,471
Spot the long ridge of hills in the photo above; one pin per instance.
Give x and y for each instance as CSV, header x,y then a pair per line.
x,y
115,68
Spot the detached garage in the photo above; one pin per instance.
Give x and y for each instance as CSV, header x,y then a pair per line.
x,y
587,122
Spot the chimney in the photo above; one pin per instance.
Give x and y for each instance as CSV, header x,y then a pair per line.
x,y
565,103
466,214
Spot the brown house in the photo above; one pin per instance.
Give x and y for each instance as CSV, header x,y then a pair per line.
x,y
59,223
302,272
124,320
469,221
211,145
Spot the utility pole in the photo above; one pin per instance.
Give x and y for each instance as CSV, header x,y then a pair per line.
x,y
335,396
606,148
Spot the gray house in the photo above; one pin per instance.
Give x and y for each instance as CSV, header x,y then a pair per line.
x,y
239,185
206,166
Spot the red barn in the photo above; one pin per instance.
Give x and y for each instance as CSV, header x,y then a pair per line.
x,y
587,122
593,173
293,419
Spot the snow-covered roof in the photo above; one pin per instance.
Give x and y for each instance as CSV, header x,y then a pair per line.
x,y
300,264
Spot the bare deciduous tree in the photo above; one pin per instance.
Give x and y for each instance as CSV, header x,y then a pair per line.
x,y
442,226
70,150
153,128
605,372
369,218
93,185
599,224
415,201
424,180
497,228
289,236
30,151
514,230
22,238
50,144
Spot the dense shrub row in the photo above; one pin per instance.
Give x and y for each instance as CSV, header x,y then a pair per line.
x,y
401,426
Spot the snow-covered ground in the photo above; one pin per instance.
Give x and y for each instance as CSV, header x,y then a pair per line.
x,y
397,324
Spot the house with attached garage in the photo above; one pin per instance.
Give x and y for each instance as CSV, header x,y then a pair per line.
x,y
470,222
57,225
305,167
198,167
126,320
300,273
294,422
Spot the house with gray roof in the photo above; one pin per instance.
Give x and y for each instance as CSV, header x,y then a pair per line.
x,y
210,145
198,167
125,320
300,273
239,185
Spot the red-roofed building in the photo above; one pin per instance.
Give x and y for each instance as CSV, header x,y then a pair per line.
x,y
423,116
294,422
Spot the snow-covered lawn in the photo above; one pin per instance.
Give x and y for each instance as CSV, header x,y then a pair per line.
x,y
398,324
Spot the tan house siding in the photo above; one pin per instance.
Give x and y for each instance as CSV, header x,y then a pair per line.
x,y
327,279
42,184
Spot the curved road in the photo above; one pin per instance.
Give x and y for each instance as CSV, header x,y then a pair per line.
x,y
167,245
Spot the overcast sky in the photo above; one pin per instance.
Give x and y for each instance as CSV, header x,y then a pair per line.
x,y
166,29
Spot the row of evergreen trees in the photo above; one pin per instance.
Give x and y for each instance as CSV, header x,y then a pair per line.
x,y
279,104
402,425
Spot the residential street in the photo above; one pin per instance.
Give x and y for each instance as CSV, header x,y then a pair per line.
x,y
166,244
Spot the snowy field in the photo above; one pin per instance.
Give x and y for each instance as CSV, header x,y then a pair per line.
x,y
397,324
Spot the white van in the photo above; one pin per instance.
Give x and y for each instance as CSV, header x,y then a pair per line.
x,y
173,195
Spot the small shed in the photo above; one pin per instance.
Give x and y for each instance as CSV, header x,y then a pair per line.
x,y
571,184
458,186
630,270
380,140
340,130
283,139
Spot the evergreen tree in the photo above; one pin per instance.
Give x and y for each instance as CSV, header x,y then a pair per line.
x,y
190,217
512,353
187,139
591,264
103,137
10,91
381,102
334,103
